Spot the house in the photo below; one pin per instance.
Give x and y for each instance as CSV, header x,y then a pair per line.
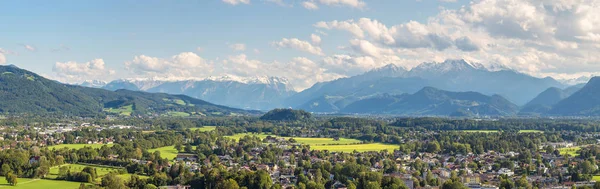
x,y
186,157
34,159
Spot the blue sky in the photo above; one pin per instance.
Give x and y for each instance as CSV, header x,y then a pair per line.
x,y
38,35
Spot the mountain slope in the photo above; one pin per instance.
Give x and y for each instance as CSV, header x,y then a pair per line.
x,y
432,101
22,92
247,93
450,75
585,102
545,100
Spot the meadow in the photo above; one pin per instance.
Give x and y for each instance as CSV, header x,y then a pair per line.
x,y
495,131
27,183
168,152
358,147
101,170
204,129
77,146
570,150
302,140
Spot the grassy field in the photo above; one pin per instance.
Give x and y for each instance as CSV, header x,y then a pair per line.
x,y
25,183
125,110
168,152
357,147
495,131
77,146
204,129
301,140
530,131
596,178
101,170
570,150
479,131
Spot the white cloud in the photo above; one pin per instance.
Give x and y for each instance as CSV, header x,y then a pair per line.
x,y
2,58
72,71
186,64
315,39
236,2
310,5
30,48
297,44
238,47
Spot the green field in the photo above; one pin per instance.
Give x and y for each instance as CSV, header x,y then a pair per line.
x,y
124,110
358,147
301,140
480,131
77,146
178,114
168,152
204,129
101,170
495,131
530,131
570,150
596,178
26,183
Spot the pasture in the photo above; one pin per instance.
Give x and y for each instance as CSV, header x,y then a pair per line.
x,y
204,129
77,146
168,152
100,170
27,183
358,147
570,151
303,140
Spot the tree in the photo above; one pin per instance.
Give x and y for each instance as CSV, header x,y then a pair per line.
x,y
5,169
228,184
111,180
150,186
11,179
178,147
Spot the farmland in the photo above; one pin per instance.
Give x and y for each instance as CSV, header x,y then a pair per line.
x,y
357,147
77,146
168,152
101,170
204,129
308,141
570,150
27,183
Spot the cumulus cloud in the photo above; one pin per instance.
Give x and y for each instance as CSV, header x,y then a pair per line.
x,y
186,64
533,36
30,48
315,39
310,5
73,71
238,47
2,58
236,2
298,44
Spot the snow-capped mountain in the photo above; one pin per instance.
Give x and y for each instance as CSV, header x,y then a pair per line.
x,y
260,92
93,83
450,75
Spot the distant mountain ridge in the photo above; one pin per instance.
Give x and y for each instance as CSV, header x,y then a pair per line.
x,y
24,92
450,75
432,101
584,102
241,92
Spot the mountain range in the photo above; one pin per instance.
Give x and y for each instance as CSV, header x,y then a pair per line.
x,y
264,93
450,75
254,93
24,92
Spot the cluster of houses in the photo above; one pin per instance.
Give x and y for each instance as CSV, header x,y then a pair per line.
x,y
485,176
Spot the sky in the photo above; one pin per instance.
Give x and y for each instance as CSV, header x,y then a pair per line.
x,y
304,41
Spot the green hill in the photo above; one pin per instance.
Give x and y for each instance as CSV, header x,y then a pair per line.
x,y
24,92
